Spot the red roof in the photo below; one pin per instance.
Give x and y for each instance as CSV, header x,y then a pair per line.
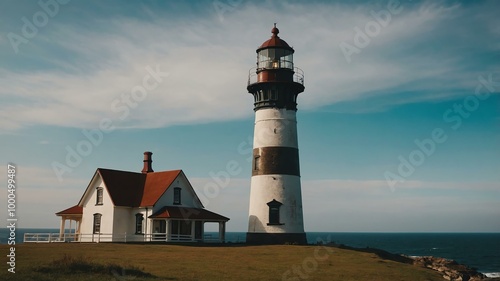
x,y
187,213
275,41
75,210
156,184
136,189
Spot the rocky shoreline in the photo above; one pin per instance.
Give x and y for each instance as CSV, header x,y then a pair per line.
x,y
450,269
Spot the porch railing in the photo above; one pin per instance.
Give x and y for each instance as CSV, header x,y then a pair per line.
x,y
117,237
50,237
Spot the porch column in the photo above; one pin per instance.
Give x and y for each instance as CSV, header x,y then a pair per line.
x,y
77,235
203,231
61,229
167,230
193,224
222,231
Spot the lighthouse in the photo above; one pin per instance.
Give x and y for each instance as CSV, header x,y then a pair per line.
x,y
275,212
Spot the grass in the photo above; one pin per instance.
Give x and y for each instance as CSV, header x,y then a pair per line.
x,y
70,265
105,261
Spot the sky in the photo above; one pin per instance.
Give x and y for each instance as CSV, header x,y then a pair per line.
x,y
398,124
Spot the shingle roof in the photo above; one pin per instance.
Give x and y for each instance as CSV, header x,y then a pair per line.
x,y
136,189
75,210
187,213
156,184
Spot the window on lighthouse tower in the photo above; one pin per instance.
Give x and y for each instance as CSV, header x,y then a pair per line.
x,y
274,212
256,163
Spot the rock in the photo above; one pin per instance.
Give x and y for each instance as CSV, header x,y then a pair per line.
x,y
450,269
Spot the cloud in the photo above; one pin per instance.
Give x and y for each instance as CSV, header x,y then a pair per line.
x,y
85,69
329,205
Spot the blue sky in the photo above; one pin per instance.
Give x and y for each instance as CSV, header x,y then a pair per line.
x,y
427,72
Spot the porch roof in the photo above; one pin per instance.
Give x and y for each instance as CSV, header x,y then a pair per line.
x,y
174,212
75,210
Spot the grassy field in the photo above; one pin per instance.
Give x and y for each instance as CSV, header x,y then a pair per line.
x,y
137,262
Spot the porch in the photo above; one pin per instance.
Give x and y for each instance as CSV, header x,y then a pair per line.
x,y
168,224
55,237
72,214
181,224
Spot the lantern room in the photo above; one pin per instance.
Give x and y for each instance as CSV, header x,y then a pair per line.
x,y
273,58
275,81
274,53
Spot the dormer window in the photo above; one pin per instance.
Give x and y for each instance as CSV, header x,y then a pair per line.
x,y
98,199
177,196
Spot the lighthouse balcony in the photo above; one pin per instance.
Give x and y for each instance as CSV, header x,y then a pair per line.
x,y
259,75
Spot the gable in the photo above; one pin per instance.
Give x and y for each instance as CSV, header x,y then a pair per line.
x,y
94,182
156,185
188,194
89,197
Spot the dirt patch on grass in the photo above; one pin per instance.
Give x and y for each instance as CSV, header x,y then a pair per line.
x,y
69,264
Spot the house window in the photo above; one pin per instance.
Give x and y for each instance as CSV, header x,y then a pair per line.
x,y
98,199
177,196
97,223
274,212
138,223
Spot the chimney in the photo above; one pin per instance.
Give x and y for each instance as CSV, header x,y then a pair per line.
x,y
148,168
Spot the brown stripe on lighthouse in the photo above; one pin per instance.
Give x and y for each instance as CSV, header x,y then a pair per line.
x,y
275,160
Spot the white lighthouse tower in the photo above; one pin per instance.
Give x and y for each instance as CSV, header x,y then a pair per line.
x,y
275,215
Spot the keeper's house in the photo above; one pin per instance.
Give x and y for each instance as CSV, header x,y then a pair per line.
x,y
121,206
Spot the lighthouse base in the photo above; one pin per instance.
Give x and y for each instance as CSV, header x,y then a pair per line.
x,y
276,238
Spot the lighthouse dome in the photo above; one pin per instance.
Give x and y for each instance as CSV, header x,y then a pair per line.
x,y
275,41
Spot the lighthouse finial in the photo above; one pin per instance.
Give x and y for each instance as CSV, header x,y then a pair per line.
x,y
275,31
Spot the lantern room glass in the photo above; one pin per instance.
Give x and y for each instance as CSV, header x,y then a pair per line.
x,y
274,58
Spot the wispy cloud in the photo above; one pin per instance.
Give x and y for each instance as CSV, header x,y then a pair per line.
x,y
86,69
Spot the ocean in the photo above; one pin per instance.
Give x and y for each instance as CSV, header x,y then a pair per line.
x,y
478,250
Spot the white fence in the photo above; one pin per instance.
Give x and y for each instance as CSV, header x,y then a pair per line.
x,y
108,237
